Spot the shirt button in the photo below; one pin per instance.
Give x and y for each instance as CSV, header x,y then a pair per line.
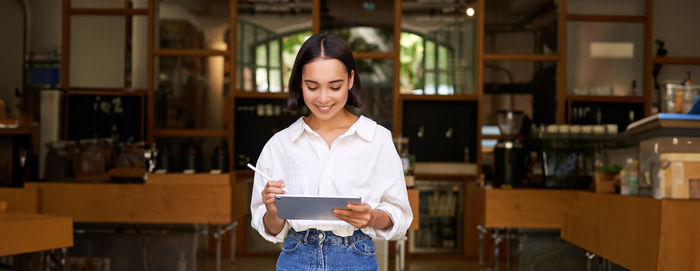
x,y
320,235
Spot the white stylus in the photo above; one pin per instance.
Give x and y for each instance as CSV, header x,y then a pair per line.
x,y
264,176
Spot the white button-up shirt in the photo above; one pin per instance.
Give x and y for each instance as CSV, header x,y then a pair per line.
x,y
361,162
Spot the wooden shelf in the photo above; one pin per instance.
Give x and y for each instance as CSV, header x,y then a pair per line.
x,y
189,52
605,99
677,60
188,179
521,57
373,55
260,95
107,11
606,18
190,133
105,92
18,131
455,97
496,137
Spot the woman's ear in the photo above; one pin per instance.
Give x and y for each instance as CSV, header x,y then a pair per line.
x,y
351,81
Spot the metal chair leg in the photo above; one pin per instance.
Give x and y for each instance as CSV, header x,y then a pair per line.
x,y
497,238
233,245
217,236
482,231
589,260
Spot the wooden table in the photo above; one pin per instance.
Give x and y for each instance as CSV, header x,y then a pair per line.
x,y
637,233
163,199
27,232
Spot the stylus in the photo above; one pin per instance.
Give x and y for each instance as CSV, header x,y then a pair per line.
x,y
264,176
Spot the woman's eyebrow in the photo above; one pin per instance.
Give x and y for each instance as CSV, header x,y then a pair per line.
x,y
335,81
331,82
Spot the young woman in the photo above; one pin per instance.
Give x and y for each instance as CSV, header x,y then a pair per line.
x,y
330,152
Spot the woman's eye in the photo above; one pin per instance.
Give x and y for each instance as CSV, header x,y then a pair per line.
x,y
338,88
310,88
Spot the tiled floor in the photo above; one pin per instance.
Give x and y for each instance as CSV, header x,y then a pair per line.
x,y
268,263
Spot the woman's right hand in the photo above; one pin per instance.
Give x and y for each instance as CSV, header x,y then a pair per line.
x,y
272,222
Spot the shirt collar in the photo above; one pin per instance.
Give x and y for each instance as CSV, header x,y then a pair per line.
x,y
364,127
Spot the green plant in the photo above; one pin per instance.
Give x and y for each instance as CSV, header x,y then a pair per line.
x,y
610,168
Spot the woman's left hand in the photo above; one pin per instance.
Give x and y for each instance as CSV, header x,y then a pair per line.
x,y
361,215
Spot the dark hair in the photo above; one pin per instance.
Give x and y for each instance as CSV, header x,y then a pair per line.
x,y
324,46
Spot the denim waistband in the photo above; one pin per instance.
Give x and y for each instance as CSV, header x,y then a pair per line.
x,y
326,237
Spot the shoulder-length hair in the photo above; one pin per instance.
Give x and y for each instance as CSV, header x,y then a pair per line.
x,y
324,46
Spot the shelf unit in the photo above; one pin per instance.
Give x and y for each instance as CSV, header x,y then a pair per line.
x,y
70,91
235,95
645,98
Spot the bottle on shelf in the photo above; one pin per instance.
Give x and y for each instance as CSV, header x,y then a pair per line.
x,y
629,178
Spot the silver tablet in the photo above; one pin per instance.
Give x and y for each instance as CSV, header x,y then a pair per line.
x,y
311,207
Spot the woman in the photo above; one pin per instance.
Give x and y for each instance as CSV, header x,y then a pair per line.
x,y
330,152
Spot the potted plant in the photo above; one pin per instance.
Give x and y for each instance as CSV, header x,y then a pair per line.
x,y
605,178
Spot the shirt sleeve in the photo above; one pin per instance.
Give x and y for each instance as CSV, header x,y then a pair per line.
x,y
394,200
257,207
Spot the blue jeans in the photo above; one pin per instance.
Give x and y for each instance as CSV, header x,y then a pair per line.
x,y
322,250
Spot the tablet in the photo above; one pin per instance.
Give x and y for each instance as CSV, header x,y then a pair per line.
x,y
311,207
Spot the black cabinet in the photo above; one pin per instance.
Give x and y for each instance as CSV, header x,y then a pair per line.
x,y
441,131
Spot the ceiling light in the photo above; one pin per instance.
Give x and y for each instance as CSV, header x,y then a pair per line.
x,y
470,12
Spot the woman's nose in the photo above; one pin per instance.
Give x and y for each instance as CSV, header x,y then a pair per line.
x,y
324,96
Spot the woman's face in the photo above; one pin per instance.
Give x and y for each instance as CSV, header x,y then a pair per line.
x,y
325,86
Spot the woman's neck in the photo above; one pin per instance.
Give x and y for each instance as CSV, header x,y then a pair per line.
x,y
344,119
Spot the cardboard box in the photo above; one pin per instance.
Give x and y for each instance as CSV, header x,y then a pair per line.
x,y
675,179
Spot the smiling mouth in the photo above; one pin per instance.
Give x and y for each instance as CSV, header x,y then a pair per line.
x,y
325,108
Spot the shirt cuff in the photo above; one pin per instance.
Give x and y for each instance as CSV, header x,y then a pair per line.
x,y
259,225
397,230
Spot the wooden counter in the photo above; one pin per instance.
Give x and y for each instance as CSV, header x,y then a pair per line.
x,y
524,208
414,200
637,233
26,232
20,199
138,203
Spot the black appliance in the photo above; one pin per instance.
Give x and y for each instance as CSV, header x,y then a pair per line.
x,y
509,153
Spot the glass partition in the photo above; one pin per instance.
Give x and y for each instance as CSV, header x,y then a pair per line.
x,y
606,7
605,59
377,77
528,86
269,34
184,24
437,49
521,27
190,92
367,26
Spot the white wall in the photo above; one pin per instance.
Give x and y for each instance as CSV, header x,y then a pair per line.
x,y
46,26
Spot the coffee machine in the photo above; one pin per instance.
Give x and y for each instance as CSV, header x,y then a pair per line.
x,y
509,153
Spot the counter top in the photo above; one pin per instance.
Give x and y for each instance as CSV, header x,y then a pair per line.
x,y
27,232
